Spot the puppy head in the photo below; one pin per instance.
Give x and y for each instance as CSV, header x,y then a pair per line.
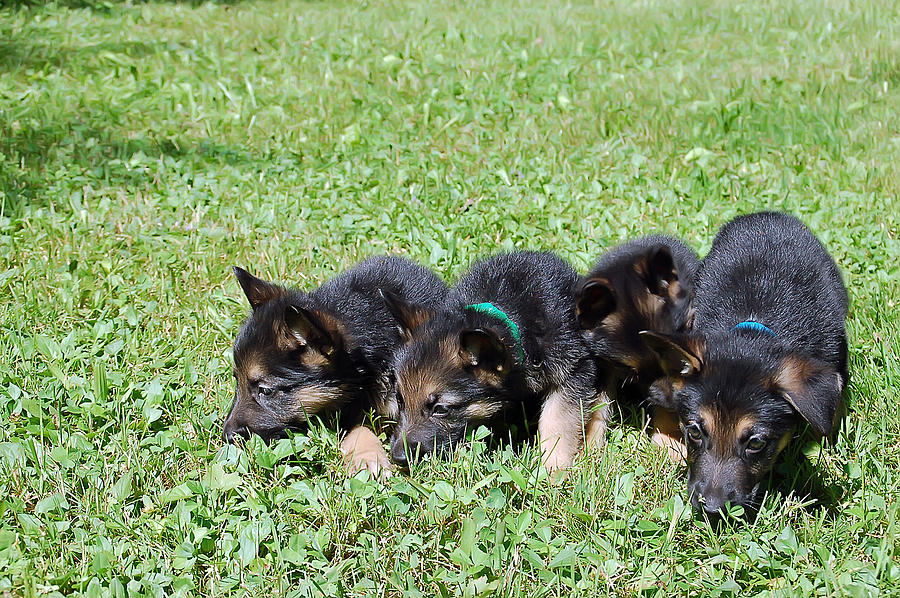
x,y
287,361
738,413
635,290
447,379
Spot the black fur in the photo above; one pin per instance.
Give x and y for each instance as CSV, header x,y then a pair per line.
x,y
755,387
471,358
348,327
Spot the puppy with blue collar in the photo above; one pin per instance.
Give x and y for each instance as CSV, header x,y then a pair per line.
x,y
505,348
767,354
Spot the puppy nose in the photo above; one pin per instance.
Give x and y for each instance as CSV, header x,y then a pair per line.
x,y
398,453
713,500
234,430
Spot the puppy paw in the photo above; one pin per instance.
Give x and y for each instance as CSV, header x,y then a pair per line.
x,y
560,433
667,434
674,448
556,461
379,465
595,430
362,450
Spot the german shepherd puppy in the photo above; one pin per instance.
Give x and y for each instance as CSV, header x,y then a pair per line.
x,y
505,343
644,284
329,351
768,352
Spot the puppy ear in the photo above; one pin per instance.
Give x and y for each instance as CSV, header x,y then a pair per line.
x,y
813,388
594,301
409,316
661,271
258,291
678,358
483,349
312,329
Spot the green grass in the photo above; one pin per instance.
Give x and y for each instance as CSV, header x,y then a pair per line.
x,y
145,148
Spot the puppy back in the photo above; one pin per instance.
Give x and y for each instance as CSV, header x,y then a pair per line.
x,y
770,268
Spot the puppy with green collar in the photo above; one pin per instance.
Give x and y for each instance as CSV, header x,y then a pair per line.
x,y
504,347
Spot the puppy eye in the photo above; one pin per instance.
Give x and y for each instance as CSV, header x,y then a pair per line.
x,y
440,410
756,444
266,391
694,433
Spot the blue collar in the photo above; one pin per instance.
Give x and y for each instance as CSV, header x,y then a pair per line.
x,y
754,326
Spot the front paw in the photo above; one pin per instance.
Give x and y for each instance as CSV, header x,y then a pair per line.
x,y
376,463
362,450
674,447
556,460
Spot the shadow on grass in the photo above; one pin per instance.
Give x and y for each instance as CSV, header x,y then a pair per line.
x,y
799,474
30,151
25,54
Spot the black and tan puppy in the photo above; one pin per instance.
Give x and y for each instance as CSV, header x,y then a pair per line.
x,y
644,284
768,352
505,342
329,351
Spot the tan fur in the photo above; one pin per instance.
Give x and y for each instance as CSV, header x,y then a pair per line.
x,y
560,432
667,434
640,268
792,378
792,374
252,372
725,433
288,340
649,306
416,385
710,421
313,359
632,361
741,426
678,360
311,399
595,429
362,450
482,410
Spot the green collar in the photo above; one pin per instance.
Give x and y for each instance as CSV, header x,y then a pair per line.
x,y
489,309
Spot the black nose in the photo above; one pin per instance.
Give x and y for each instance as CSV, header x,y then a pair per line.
x,y
712,500
398,452
234,431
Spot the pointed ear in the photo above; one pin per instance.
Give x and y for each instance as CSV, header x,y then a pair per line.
x,y
409,316
312,329
594,301
483,349
813,388
678,358
258,291
661,271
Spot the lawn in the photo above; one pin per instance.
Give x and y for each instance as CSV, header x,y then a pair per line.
x,y
147,147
